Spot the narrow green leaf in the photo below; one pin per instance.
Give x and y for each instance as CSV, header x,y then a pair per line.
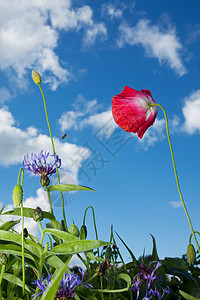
x,y
129,250
8,225
78,246
28,213
16,250
55,261
154,252
126,278
66,236
187,296
50,292
68,188
1,210
13,279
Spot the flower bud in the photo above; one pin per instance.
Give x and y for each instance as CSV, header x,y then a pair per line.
x,y
3,258
17,195
83,232
191,254
44,180
36,77
25,232
38,214
73,229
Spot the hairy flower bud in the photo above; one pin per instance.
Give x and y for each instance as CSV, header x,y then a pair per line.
x,y
17,195
38,214
36,77
73,229
44,180
3,258
83,232
191,254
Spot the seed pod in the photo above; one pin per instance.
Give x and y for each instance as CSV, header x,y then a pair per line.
x,y
83,232
191,254
36,77
38,214
3,258
17,195
73,229
44,180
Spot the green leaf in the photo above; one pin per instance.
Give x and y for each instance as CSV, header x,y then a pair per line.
x,y
28,212
50,292
55,261
126,278
129,250
17,238
57,226
154,252
68,188
15,250
78,246
187,296
1,210
13,279
68,237
8,225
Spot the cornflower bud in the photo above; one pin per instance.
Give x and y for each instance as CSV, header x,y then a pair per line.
x,y
3,258
36,77
25,232
38,214
17,195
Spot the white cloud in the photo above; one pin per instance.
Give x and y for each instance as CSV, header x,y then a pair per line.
x,y
86,114
191,112
164,46
15,143
175,204
5,95
112,11
30,33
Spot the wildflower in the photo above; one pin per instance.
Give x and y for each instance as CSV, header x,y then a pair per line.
x,y
147,275
38,165
132,110
67,286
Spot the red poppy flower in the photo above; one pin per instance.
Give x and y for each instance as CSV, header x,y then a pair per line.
x,y
132,110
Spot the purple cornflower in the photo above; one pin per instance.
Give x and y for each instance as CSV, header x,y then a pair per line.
x,y
67,286
38,165
147,275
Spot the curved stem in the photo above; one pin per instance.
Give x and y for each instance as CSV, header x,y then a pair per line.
x,y
94,221
54,152
192,235
176,175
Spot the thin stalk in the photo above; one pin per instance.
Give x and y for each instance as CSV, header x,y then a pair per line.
x,y
1,278
49,198
176,175
23,259
54,152
94,221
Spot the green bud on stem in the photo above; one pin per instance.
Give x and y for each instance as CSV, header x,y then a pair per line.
x,y
17,195
36,77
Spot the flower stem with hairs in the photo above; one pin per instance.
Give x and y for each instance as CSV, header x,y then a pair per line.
x,y
54,152
176,174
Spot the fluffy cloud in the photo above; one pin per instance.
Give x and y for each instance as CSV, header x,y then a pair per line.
x,y
191,112
164,46
5,95
112,11
30,33
87,113
15,143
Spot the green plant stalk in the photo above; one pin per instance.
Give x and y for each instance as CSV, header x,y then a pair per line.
x,y
176,175
54,152
192,235
40,226
49,198
1,277
94,221
21,174
23,259
112,238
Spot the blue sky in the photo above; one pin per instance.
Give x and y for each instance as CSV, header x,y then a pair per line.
x,y
86,52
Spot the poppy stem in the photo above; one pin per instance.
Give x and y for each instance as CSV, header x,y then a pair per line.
x,y
176,175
